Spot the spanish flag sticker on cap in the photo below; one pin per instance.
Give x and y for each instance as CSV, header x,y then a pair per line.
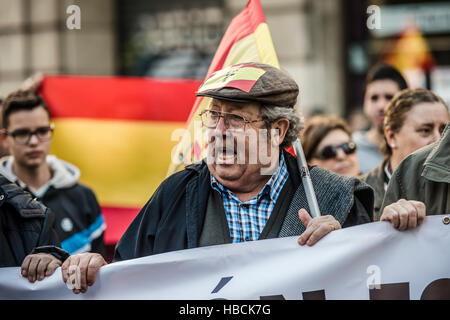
x,y
242,77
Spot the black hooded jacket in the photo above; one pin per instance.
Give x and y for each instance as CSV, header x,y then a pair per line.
x,y
26,226
79,223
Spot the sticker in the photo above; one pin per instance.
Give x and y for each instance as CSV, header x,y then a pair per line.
x,y
66,224
242,77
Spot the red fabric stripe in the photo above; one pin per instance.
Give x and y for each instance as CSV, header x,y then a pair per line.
x,y
255,11
117,221
119,98
244,85
242,25
291,150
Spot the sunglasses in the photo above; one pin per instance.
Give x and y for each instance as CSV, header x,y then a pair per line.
x,y
330,152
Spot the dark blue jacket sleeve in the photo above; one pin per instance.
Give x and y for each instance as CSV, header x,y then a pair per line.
x,y
138,239
48,241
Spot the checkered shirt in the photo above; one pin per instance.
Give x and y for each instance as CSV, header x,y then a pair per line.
x,y
246,220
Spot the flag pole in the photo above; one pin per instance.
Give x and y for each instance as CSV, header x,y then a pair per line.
x,y
306,179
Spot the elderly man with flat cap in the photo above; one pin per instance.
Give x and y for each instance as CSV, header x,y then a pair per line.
x,y
248,188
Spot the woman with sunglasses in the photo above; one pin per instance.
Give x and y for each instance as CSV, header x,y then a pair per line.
x,y
327,143
413,119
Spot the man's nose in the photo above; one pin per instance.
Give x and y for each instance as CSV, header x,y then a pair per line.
x,y
221,127
340,154
33,139
382,104
436,135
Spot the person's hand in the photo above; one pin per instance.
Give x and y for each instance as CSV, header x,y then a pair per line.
x,y
404,214
84,266
316,228
38,266
33,83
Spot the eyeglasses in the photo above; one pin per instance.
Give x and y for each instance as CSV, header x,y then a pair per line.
x,y
23,136
330,152
210,119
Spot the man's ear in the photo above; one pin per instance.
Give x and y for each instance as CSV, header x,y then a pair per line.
x,y
282,126
2,135
3,140
390,137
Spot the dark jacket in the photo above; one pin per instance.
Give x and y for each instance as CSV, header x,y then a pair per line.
x,y
79,204
173,217
376,178
78,219
424,176
26,226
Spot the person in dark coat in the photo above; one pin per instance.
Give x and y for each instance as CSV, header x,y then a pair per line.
x,y
27,235
414,118
247,188
423,180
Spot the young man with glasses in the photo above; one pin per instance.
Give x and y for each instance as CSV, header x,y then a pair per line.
x,y
27,133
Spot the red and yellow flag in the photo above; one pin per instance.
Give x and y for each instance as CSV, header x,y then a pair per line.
x,y
118,132
247,39
409,51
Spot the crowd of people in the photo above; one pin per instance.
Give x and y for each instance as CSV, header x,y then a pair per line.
x,y
397,171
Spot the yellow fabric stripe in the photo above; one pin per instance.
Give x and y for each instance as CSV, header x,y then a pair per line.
x,y
264,44
194,132
243,51
122,161
256,47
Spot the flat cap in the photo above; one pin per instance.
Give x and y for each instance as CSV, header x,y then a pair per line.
x,y
251,82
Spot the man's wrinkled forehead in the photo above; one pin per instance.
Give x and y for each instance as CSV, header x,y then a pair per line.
x,y
229,106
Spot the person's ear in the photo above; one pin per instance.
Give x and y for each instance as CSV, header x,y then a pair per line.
x,y
390,137
3,139
2,135
281,126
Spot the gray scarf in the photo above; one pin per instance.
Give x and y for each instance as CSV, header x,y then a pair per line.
x,y
335,196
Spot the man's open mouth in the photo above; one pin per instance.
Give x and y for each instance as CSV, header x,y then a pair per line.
x,y
226,156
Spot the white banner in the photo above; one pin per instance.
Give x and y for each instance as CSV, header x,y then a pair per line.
x,y
370,261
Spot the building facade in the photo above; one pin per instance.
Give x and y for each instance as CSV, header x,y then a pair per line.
x,y
326,45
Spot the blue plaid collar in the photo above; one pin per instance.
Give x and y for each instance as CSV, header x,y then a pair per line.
x,y
272,188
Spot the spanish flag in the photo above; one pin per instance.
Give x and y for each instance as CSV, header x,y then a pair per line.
x,y
247,39
122,132
118,132
409,51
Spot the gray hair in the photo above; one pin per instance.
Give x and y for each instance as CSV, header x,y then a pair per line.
x,y
270,114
